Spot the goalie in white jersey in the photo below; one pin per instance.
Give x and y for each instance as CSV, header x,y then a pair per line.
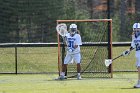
x,y
135,44
73,51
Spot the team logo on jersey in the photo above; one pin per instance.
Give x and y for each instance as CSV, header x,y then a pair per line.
x,y
136,41
71,39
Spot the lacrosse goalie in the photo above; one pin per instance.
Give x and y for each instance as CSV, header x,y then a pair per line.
x,y
135,44
73,51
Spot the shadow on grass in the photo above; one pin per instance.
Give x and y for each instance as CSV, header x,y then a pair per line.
x,y
130,88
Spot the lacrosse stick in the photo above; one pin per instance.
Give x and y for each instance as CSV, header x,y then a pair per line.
x,y
109,61
62,30
125,53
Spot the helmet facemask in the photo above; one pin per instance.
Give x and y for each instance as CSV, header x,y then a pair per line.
x,y
136,32
136,29
73,31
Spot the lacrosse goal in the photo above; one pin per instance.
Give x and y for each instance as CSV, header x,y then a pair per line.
x,y
96,37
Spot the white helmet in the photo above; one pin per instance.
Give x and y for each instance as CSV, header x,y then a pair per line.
x,y
136,25
136,31
73,29
73,26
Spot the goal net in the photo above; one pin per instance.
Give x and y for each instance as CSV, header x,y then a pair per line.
x,y
96,37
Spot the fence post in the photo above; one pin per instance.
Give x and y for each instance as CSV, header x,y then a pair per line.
x,y
15,59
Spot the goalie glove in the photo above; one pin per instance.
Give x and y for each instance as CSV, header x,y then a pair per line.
x,y
125,53
70,49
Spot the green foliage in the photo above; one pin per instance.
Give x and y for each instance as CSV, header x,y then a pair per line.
x,y
8,22
115,28
35,20
29,20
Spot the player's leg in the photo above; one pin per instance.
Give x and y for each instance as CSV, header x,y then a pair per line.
x,y
139,73
67,59
78,68
79,71
77,59
64,67
138,67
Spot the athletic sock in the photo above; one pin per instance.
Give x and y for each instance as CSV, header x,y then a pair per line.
x,y
78,74
63,73
138,81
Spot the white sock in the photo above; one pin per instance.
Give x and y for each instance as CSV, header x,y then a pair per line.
x,y
78,74
138,81
63,73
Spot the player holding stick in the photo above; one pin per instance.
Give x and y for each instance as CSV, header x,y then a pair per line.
x,y
73,51
135,44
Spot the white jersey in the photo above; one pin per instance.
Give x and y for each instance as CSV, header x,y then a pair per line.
x,y
75,40
136,44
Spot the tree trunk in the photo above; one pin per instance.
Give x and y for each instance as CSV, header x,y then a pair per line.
x,y
137,8
123,19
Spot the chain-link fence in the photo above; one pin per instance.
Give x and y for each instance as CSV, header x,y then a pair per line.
x,y
34,21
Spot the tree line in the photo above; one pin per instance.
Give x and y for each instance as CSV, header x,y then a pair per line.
x,y
35,20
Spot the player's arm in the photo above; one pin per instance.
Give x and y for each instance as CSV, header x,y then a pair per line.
x,y
127,52
78,41
75,46
71,49
131,48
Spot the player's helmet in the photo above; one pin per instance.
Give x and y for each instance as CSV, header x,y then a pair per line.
x,y
136,29
136,25
73,29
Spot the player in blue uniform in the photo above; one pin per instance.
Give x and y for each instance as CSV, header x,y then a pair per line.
x,y
135,44
73,51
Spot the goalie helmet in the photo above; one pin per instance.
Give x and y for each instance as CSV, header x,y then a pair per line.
x,y
136,29
73,29
136,25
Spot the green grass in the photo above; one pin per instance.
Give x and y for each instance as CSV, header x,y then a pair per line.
x,y
30,59
121,83
124,63
45,60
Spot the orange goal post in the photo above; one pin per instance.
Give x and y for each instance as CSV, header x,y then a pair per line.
x,y
96,46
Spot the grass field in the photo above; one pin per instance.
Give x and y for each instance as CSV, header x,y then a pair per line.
x,y
27,83
42,60
29,59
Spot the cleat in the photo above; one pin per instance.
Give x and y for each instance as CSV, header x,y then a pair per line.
x,y
137,86
61,77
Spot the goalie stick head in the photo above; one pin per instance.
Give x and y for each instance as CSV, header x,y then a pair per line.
x,y
108,62
62,29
